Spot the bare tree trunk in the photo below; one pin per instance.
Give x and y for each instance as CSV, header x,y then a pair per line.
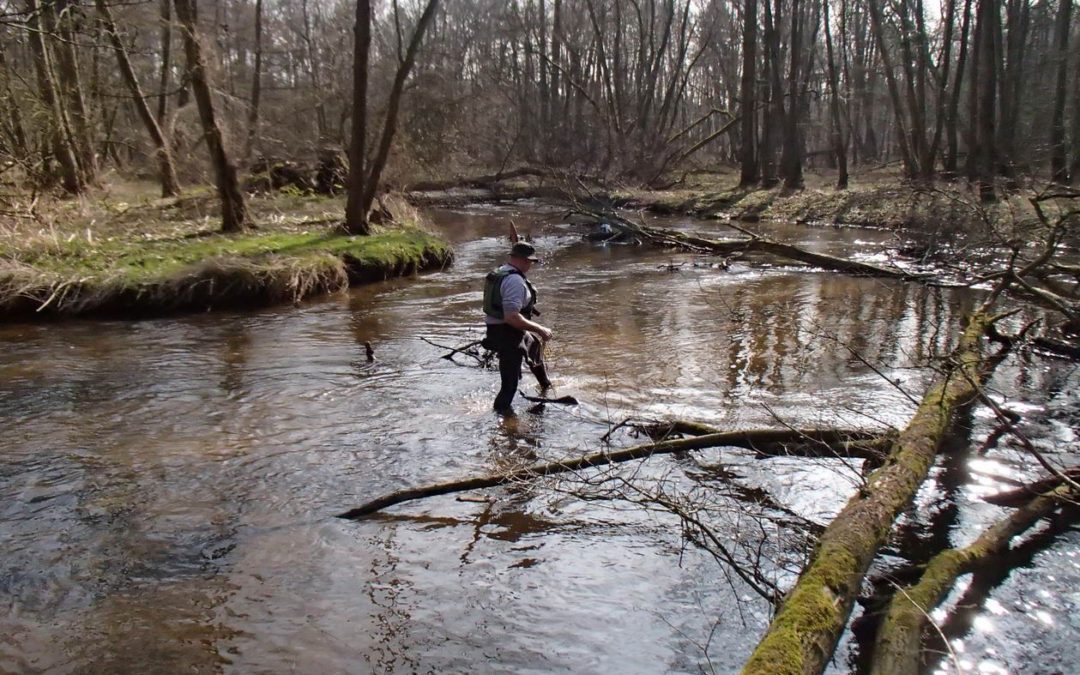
x,y
170,186
20,144
356,215
989,23
950,162
314,72
749,172
71,177
839,141
234,215
774,115
70,84
256,87
166,62
1059,166
791,155
394,102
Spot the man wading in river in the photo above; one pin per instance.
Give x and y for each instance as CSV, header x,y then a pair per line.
x,y
509,305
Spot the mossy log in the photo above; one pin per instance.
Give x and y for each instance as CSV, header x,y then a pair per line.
x,y
743,439
803,634
898,650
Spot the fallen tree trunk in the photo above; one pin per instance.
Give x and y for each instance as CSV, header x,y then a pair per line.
x,y
898,649
753,244
804,633
743,439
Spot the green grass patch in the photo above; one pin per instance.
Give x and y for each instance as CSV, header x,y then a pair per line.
x,y
83,266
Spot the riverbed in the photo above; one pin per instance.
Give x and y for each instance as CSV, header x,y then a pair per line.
x,y
168,487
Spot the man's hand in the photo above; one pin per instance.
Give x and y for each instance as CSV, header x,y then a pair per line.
x,y
544,333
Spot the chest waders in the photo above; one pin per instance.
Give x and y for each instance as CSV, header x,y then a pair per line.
x,y
512,345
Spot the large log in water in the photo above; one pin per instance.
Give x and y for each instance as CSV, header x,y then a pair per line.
x,y
804,633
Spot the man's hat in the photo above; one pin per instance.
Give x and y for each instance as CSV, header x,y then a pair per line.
x,y
524,250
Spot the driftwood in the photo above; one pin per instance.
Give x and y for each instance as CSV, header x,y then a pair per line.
x,y
899,642
804,632
744,439
754,243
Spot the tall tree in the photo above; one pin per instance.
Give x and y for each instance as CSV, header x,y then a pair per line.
x,y
363,178
170,186
256,85
1059,165
58,133
234,214
748,97
839,138
985,150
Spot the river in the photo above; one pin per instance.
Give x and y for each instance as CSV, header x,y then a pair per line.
x,y
167,487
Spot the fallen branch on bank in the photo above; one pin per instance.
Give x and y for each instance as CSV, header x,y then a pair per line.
x,y
804,633
743,439
898,650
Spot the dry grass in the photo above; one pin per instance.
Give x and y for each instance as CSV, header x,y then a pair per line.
x,y
130,253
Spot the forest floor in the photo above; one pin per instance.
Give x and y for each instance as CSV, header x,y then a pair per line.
x,y
125,252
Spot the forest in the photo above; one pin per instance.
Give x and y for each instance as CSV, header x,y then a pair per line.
x,y
159,157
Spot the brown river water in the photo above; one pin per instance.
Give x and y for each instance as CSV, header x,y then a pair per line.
x,y
168,487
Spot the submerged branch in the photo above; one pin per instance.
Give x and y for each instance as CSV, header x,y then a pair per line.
x,y
745,439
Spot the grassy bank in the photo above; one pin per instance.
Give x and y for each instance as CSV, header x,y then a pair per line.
x,y
117,257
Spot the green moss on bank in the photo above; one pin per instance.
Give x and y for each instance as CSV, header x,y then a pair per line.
x,y
125,275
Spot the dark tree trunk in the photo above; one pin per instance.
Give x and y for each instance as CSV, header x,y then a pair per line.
x,y
791,156
749,173
234,215
364,184
256,86
356,220
166,61
989,24
70,84
170,186
1059,166
839,141
951,121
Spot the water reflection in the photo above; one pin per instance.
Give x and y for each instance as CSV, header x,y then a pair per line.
x,y
167,486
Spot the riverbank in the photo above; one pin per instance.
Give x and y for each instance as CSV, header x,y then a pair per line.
x,y
878,198
115,257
